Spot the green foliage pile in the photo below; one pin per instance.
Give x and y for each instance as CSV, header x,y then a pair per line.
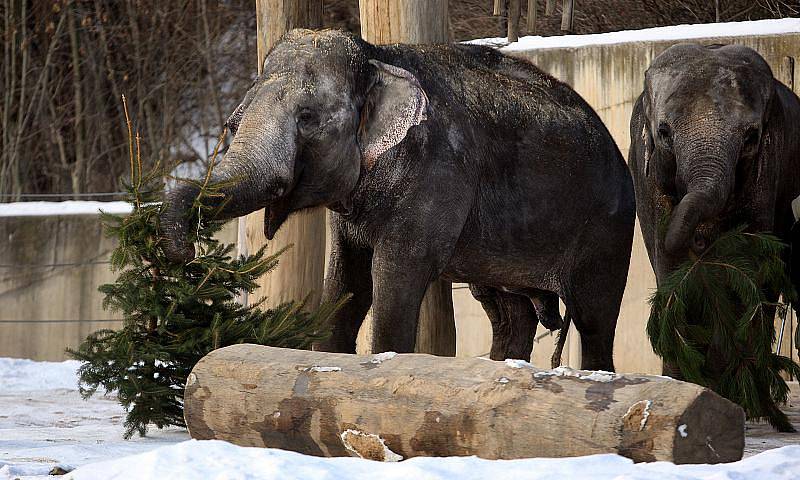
x,y
713,318
174,314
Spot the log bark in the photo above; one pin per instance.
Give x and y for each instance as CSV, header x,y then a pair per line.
x,y
330,404
302,268
422,22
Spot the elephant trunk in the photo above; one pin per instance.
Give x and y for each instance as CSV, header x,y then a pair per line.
x,y
248,179
707,176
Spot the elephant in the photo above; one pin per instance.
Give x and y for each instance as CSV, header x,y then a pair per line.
x,y
715,143
438,161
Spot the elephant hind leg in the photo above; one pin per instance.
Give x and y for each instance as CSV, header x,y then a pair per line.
x,y
593,300
513,320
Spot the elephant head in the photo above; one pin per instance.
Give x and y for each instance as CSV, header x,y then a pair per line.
x,y
706,112
312,124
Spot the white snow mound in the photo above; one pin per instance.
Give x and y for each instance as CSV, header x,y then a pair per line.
x,y
22,375
214,459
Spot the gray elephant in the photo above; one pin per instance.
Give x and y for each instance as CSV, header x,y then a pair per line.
x,y
438,161
715,140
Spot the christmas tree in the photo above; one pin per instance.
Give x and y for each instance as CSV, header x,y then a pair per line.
x,y
713,318
174,314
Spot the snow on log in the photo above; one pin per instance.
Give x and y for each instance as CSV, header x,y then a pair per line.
x,y
390,407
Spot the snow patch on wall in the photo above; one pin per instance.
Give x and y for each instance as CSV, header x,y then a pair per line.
x,y
69,207
671,33
682,431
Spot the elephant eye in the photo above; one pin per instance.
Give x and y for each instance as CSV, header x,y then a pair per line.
x,y
307,119
665,135
751,137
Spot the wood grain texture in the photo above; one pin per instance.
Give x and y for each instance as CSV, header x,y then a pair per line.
x,y
415,22
301,268
403,21
420,405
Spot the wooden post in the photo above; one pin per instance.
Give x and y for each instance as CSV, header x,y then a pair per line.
x,y
550,7
531,17
513,21
301,268
568,15
498,8
419,22
334,404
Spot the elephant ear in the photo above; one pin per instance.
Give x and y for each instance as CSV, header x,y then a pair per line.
x,y
394,103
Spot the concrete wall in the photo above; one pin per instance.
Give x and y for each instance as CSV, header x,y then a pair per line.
x,y
610,78
45,309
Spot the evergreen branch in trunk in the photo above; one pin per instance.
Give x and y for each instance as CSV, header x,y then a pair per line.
x,y
713,317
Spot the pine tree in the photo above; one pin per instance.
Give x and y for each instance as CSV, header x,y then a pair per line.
x,y
713,318
176,313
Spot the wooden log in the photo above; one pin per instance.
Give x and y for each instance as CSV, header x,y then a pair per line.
x,y
302,268
392,21
331,404
550,7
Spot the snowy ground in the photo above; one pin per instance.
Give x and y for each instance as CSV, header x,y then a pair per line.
x,y
44,423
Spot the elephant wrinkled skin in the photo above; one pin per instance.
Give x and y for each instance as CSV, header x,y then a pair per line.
x,y
452,161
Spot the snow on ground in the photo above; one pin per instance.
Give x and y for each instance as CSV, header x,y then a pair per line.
x,y
69,207
45,423
671,33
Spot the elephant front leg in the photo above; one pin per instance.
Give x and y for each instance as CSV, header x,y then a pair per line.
x,y
399,287
348,274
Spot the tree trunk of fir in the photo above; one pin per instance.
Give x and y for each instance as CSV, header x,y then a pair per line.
x,y
301,268
386,407
398,21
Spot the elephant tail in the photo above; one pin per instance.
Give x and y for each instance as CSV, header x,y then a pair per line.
x,y
555,360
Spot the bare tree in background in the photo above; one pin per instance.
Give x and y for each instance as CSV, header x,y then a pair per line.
x,y
184,64
67,63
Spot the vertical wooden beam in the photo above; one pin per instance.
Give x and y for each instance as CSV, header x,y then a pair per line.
x,y
550,7
567,15
531,17
425,22
513,20
301,268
